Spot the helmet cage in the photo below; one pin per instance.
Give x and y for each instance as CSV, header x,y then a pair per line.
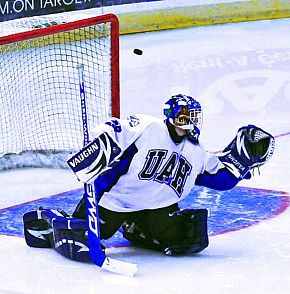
x,y
184,112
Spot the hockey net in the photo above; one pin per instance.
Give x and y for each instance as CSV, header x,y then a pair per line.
x,y
41,111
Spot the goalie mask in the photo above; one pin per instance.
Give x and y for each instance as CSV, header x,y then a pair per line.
x,y
184,112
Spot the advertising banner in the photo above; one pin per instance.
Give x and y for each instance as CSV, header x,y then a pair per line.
x,y
12,9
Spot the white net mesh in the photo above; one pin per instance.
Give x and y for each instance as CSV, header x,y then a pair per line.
x,y
27,24
40,90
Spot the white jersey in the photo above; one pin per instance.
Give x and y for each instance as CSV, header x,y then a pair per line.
x,y
157,172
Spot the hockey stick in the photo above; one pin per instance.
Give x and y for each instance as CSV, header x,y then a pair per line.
x,y
93,224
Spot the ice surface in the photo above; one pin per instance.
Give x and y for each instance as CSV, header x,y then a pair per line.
x,y
240,73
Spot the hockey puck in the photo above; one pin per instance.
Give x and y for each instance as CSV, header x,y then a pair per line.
x,y
138,51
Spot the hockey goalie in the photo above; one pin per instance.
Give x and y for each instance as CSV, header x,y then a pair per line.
x,y
141,167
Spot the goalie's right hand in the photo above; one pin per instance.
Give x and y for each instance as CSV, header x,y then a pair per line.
x,y
95,158
252,147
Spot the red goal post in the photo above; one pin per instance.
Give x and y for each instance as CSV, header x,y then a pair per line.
x,y
40,102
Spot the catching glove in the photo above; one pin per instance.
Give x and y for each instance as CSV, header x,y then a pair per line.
x,y
252,147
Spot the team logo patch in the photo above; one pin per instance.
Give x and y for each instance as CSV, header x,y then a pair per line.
x,y
161,169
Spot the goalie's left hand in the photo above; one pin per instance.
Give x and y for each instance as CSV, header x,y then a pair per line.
x,y
252,147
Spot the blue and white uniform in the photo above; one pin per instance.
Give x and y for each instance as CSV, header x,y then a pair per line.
x,y
154,171
139,188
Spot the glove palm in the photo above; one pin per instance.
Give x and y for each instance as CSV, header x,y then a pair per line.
x,y
252,147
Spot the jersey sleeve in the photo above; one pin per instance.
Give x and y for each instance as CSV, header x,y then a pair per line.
x,y
123,131
215,175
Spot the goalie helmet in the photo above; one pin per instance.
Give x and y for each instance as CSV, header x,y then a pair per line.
x,y
184,112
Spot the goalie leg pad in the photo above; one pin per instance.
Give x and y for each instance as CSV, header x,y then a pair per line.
x,y
201,233
72,244
45,228
195,235
36,230
169,230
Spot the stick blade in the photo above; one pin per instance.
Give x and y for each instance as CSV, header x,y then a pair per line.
x,y
120,267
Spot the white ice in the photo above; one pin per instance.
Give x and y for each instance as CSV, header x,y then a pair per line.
x,y
241,74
